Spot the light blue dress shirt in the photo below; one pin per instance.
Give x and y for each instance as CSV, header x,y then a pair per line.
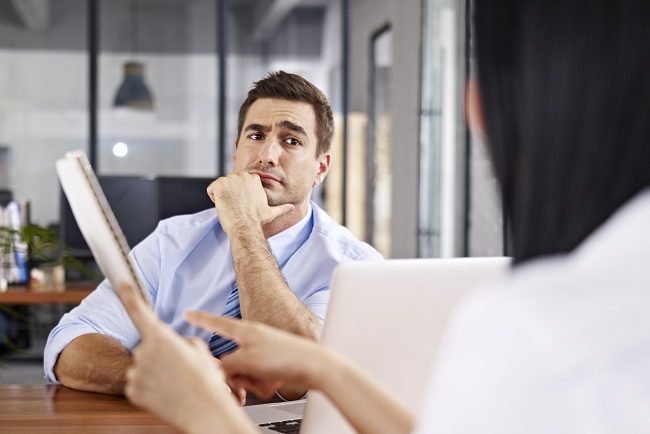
x,y
186,264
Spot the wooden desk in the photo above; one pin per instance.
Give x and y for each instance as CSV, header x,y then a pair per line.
x,y
23,295
51,408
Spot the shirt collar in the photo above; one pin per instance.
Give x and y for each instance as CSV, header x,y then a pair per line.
x,y
287,242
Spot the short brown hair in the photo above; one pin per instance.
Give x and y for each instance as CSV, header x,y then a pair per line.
x,y
292,87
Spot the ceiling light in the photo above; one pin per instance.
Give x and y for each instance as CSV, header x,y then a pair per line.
x,y
120,149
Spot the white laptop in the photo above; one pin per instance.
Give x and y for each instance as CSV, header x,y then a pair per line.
x,y
379,316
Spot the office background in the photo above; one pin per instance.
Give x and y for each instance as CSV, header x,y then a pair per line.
x,y
415,183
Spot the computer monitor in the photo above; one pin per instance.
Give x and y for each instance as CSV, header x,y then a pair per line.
x,y
138,203
5,197
178,195
134,201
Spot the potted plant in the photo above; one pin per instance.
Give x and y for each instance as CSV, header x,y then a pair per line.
x,y
46,256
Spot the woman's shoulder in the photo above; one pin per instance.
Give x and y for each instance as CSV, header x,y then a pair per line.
x,y
607,269
554,333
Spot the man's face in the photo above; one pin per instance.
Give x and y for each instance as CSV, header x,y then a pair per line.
x,y
278,142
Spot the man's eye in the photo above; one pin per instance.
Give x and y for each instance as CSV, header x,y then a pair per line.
x,y
256,136
292,141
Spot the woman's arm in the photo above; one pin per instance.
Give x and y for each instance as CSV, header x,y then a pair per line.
x,y
179,380
268,358
356,396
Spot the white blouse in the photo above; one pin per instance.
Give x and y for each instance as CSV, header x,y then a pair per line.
x,y
562,345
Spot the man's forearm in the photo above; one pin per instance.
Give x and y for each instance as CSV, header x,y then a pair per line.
x,y
264,295
95,363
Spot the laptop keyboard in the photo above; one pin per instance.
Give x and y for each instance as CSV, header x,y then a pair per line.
x,y
285,426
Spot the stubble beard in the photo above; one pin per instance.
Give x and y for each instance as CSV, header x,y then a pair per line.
x,y
289,195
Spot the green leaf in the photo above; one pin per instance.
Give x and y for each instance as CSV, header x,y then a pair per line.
x,y
42,248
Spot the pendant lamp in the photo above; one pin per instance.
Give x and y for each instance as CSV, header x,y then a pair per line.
x,y
133,91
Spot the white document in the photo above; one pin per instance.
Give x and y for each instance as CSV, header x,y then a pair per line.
x,y
97,221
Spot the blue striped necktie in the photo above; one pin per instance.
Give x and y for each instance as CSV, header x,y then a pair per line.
x,y
219,345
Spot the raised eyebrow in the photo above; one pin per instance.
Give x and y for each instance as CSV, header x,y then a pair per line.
x,y
258,127
293,127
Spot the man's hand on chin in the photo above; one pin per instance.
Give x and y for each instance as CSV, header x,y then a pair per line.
x,y
241,202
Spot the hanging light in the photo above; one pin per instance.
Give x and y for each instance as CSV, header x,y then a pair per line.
x,y
133,92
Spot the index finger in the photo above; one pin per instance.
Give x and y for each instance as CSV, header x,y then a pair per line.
x,y
229,328
139,312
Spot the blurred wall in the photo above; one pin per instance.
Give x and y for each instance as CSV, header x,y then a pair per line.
x,y
404,17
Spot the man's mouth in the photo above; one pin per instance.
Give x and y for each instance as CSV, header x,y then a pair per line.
x,y
265,176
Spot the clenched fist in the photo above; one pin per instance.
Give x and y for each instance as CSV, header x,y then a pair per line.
x,y
241,202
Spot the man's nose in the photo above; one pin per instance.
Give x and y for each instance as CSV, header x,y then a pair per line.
x,y
270,152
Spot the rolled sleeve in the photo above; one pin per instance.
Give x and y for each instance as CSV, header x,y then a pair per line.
x,y
59,338
101,312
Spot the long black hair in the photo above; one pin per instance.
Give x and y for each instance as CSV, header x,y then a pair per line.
x,y
565,91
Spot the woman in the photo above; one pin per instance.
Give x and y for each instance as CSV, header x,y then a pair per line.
x,y
562,96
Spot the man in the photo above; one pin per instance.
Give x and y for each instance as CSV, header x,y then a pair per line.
x,y
267,254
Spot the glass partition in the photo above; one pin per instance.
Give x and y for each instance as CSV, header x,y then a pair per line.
x,y
43,98
460,209
157,110
442,130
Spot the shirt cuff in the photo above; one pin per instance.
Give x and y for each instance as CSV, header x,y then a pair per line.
x,y
57,343
279,395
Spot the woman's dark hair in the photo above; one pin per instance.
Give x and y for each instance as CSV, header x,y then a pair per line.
x,y
565,91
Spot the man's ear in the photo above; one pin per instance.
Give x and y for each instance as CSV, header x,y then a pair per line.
x,y
474,108
323,167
